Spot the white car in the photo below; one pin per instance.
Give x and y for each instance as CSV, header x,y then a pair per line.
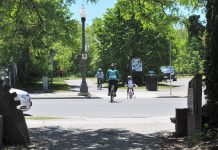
x,y
23,97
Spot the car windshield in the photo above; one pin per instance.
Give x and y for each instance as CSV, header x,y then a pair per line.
x,y
151,72
167,69
163,68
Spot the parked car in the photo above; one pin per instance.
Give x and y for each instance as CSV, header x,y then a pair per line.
x,y
166,71
23,97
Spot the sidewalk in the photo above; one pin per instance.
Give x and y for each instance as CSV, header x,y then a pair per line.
x,y
107,135
136,125
121,93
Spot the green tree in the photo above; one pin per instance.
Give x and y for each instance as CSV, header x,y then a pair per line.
x,y
124,36
210,66
181,62
35,28
195,43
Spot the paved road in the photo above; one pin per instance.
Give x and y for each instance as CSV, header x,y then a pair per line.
x,y
145,104
102,108
150,111
94,123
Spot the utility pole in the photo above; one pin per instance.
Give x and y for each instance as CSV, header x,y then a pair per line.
x,y
170,59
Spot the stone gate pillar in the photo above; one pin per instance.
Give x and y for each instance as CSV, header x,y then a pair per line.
x,y
194,105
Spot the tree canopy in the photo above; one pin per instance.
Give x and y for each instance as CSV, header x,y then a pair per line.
x,y
142,29
30,30
133,28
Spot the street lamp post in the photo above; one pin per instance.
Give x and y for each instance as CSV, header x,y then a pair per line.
x,y
83,86
52,53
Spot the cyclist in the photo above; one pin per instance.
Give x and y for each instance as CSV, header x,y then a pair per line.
x,y
100,76
130,84
112,76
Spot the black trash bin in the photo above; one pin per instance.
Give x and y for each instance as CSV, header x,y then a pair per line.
x,y
152,81
1,131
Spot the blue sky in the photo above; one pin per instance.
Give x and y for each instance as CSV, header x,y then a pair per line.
x,y
98,9
93,10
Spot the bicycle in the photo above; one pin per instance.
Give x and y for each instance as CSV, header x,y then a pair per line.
x,y
100,84
130,93
112,93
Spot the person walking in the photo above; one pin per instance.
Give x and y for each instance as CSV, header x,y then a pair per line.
x,y
61,72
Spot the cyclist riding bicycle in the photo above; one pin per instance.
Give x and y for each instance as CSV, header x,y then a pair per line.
x,y
100,76
112,76
130,84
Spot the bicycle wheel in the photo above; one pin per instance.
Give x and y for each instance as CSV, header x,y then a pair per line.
x,y
130,93
100,85
112,94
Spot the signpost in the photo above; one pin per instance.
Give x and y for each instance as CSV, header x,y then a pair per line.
x,y
84,56
136,65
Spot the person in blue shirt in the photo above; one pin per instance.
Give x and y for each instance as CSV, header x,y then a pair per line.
x,y
112,76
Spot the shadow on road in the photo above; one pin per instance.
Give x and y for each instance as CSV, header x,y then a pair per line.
x,y
57,138
74,88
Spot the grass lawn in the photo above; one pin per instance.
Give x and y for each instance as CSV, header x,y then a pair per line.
x,y
58,85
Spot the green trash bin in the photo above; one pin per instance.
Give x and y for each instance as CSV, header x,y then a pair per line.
x,y
152,82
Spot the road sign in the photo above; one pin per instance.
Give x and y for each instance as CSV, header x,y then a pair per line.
x,y
136,65
84,56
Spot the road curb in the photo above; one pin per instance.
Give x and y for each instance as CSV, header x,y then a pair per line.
x,y
69,97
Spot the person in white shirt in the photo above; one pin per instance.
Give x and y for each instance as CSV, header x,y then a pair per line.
x,y
99,75
130,84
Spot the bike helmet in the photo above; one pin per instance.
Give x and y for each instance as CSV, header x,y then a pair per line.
x,y
112,65
99,70
129,77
